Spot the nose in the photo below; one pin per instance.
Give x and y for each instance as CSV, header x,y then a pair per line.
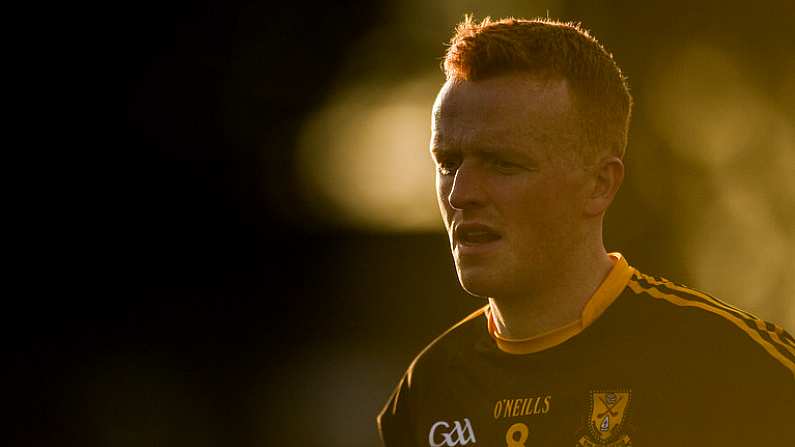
x,y
467,190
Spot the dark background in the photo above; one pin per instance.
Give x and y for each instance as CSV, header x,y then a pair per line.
x,y
185,291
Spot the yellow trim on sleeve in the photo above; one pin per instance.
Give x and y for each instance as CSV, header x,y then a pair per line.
x,y
758,322
678,301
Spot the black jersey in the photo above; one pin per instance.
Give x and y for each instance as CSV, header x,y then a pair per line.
x,y
651,363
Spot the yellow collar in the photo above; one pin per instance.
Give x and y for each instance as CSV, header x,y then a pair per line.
x,y
607,292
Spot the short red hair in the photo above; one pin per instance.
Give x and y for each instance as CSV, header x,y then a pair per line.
x,y
554,50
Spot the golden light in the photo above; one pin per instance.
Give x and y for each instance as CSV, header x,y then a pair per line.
x,y
732,203
363,158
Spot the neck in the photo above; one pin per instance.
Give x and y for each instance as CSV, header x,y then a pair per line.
x,y
558,303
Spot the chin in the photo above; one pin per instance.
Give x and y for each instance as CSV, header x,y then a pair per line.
x,y
479,286
492,282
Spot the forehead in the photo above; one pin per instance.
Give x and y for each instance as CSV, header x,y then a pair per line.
x,y
513,110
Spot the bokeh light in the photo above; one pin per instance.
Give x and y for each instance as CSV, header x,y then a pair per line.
x,y
738,239
364,155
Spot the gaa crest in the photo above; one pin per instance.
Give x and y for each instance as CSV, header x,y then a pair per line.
x,y
608,414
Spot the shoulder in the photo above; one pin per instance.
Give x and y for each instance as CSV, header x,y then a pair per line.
x,y
396,420
717,358
455,341
712,328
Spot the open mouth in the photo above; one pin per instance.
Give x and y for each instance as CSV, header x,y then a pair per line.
x,y
475,234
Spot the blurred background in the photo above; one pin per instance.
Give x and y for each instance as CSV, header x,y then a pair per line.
x,y
257,255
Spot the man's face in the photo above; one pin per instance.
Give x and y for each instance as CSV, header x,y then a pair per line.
x,y
510,190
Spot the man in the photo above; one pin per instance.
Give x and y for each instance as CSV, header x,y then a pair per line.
x,y
575,347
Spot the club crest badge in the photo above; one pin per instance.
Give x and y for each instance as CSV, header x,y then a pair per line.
x,y
609,410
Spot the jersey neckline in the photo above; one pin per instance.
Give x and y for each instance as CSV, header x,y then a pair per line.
x,y
602,298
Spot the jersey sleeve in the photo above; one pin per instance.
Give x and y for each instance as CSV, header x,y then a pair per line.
x,y
395,422
756,400
772,393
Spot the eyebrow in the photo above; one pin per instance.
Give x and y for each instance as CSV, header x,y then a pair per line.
x,y
437,150
490,150
487,153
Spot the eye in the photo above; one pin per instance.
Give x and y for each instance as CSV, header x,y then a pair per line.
x,y
505,167
446,167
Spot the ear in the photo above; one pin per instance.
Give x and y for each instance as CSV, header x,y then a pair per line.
x,y
608,175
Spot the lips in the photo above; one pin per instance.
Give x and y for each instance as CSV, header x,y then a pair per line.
x,y
473,234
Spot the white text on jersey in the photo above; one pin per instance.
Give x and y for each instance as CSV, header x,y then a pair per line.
x,y
442,435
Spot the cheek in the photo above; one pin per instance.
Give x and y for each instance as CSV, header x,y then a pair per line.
x,y
442,193
440,185
542,207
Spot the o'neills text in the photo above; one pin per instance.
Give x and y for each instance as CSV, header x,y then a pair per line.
x,y
524,406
